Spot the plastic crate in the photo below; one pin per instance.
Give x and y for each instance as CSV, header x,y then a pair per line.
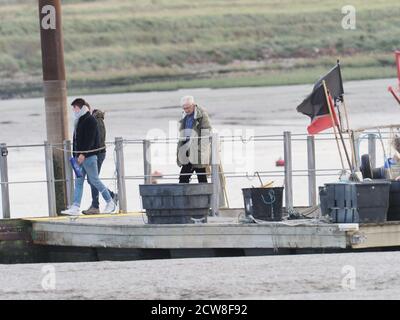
x,y
176,203
365,202
394,201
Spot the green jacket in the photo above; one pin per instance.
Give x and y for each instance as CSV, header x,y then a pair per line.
x,y
99,116
199,144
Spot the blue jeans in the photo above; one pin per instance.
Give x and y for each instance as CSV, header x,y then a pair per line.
x,y
89,167
95,193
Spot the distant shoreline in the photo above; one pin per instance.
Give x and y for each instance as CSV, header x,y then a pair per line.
x,y
134,46
125,85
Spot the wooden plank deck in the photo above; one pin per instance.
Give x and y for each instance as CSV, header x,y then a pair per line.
x,y
376,236
131,231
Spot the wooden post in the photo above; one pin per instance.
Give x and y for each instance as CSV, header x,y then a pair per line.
x,y
5,194
54,88
119,150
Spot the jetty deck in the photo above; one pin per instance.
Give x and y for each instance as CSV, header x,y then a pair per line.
x,y
129,237
130,231
225,231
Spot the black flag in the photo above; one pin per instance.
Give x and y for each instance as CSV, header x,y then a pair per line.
x,y
316,107
334,83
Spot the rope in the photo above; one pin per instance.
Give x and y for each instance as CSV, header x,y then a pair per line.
x,y
88,151
274,229
309,211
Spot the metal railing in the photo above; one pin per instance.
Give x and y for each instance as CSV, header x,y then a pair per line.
x,y
288,173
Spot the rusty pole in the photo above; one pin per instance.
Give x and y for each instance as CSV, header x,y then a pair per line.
x,y
54,89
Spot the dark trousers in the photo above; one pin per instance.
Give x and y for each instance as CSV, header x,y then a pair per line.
x,y
95,193
188,168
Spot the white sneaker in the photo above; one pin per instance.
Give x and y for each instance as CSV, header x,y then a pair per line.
x,y
72,211
110,207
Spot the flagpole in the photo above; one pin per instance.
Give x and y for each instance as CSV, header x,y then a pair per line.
x,y
333,123
345,151
339,129
346,115
353,153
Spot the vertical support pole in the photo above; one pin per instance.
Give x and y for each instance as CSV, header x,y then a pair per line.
x,y
69,177
147,161
51,191
215,174
5,194
356,142
312,177
119,150
287,146
372,149
54,88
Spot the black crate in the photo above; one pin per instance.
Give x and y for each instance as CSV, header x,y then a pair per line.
x,y
345,215
323,200
394,201
365,202
340,195
373,201
176,203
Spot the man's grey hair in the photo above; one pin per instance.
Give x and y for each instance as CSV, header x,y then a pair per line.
x,y
187,100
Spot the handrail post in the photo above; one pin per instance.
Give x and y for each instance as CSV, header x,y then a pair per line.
x,y
51,191
69,177
312,178
372,149
356,143
5,192
215,174
147,161
120,163
287,146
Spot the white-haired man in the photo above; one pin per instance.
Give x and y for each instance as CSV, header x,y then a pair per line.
x,y
193,153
